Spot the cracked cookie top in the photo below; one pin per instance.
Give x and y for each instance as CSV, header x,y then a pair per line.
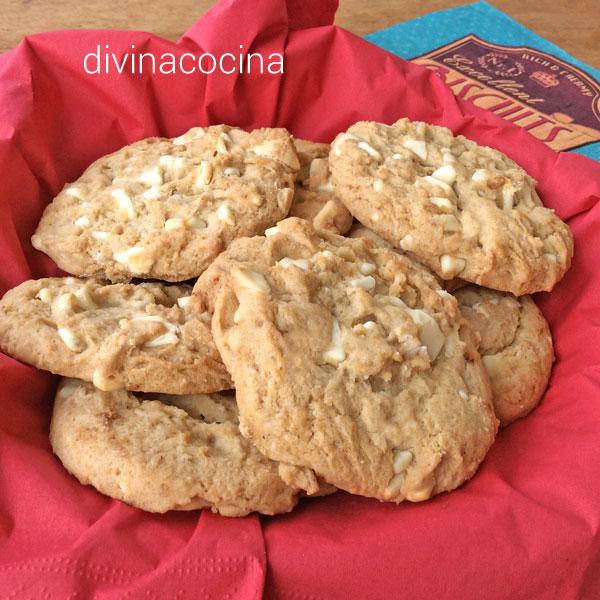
x,y
462,209
515,346
164,208
314,198
142,337
350,360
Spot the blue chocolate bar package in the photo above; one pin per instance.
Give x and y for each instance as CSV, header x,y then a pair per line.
x,y
489,59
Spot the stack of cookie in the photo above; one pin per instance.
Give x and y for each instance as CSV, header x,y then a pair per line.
x,y
352,364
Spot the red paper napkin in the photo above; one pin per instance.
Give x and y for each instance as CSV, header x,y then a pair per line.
x,y
527,525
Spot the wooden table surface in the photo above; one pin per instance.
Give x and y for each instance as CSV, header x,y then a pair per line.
x,y
572,24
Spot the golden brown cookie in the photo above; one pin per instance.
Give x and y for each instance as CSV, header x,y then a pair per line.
x,y
163,453
516,348
314,199
164,208
462,209
141,337
350,360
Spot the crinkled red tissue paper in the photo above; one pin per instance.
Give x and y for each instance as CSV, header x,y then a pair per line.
x,y
527,524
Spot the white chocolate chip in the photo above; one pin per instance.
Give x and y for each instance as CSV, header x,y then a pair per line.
x,y
417,147
463,395
449,223
45,295
85,299
402,458
237,315
75,192
444,294
430,334
394,486
175,223
136,259
480,176
451,266
188,136
99,235
366,283
407,242
222,143
126,208
397,156
367,268
370,325
375,217
551,257
170,335
152,193
196,223
225,214
70,340
340,140
251,280
66,303
82,222
508,197
105,383
300,263
205,174
437,182
369,150
231,172
442,202
151,177
184,301
378,185
284,198
445,173
272,231
335,353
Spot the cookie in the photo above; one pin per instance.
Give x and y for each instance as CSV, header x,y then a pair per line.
x,y
350,360
358,230
164,208
314,199
462,209
163,453
143,337
516,348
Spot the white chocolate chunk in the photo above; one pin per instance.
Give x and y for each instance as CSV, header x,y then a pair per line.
x,y
300,263
417,147
394,486
375,217
370,325
151,177
205,174
66,303
480,176
225,214
438,182
451,266
441,202
445,173
188,136
45,295
397,156
175,223
136,259
99,235
366,283
407,242
508,198
124,203
550,257
231,172
335,353
341,140
222,143
449,223
75,192
402,458
83,222
70,340
184,301
444,294
284,198
430,334
272,231
237,315
104,383
367,268
378,185
370,150
151,193
463,395
196,223
85,299
170,335
251,280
